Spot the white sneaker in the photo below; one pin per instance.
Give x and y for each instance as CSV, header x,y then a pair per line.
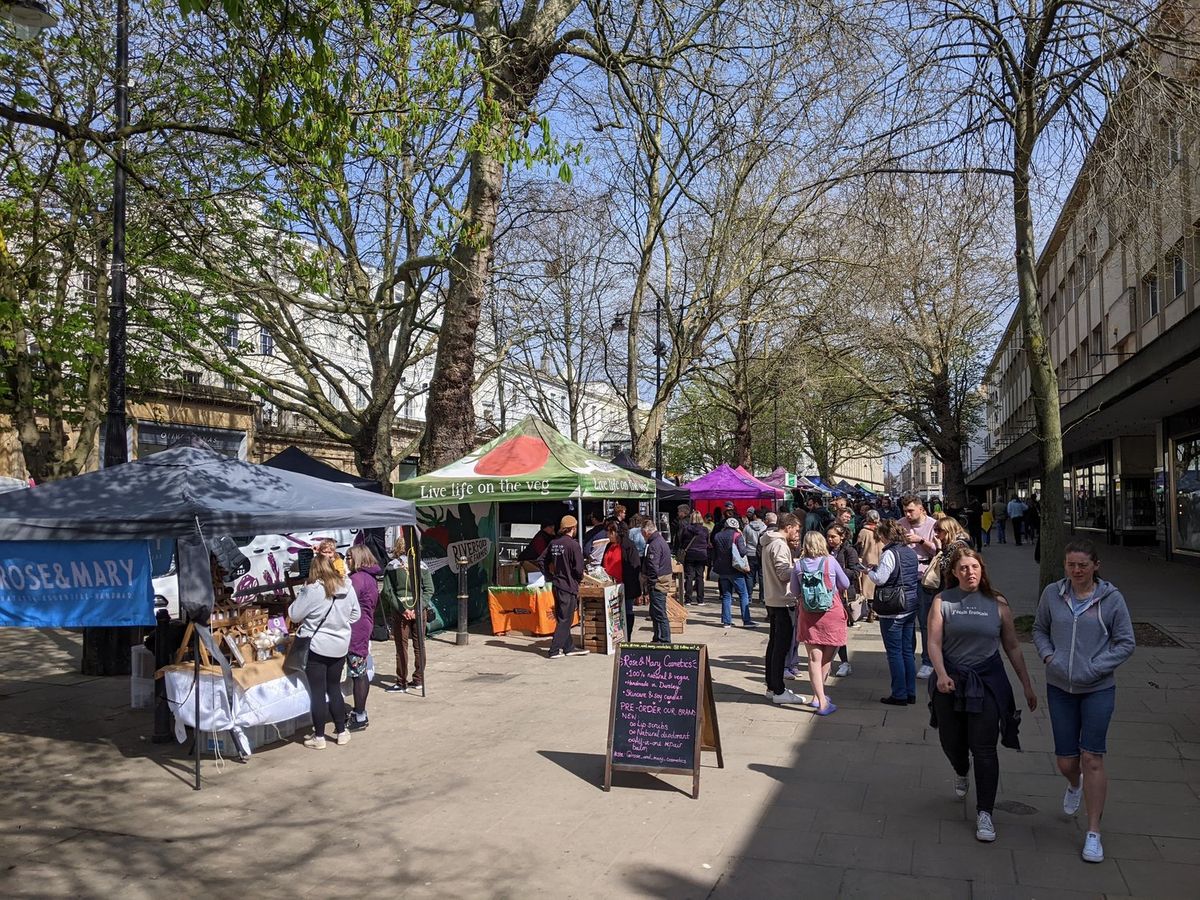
x,y
843,670
1071,799
343,738
924,671
789,697
984,829
1093,850
315,742
961,786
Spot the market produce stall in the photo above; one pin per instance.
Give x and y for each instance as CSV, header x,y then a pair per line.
x,y
457,504
105,521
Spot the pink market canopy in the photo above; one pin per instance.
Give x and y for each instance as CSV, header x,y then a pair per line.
x,y
741,470
724,483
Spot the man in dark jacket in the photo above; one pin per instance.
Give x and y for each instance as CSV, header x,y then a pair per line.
x,y
656,567
730,578
562,564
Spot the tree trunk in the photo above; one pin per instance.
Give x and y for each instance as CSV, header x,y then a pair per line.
x,y
450,411
954,480
1043,381
743,438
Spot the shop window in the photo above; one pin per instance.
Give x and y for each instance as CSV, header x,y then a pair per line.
x,y
1091,496
1186,460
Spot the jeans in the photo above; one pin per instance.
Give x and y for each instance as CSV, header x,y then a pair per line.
x,y
1001,524
963,733
1080,721
987,538
899,636
755,576
925,599
325,698
793,656
727,584
1018,529
778,644
564,613
658,615
693,580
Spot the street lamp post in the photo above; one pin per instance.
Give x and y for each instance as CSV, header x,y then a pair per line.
x,y
115,447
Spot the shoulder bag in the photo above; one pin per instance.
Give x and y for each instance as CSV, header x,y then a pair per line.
x,y
932,579
889,597
739,561
297,655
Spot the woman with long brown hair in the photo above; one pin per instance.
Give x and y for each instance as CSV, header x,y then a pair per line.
x,y
325,607
970,695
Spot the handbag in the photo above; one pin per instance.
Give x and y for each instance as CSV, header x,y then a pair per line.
x,y
932,579
739,562
381,631
889,599
297,655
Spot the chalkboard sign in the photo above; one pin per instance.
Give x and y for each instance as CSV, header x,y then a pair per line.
x,y
662,713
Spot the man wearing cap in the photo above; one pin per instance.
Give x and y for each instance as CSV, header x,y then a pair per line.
x,y
562,564
752,533
729,578
658,572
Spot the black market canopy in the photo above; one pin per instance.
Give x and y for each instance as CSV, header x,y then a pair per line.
x,y
529,462
293,459
668,492
170,493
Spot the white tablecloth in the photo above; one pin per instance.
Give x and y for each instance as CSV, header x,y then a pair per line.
x,y
278,700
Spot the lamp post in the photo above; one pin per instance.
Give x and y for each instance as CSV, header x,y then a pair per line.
x,y
27,18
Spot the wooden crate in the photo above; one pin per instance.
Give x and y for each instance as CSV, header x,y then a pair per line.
x,y
677,616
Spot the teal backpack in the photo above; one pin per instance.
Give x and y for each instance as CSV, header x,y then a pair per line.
x,y
815,590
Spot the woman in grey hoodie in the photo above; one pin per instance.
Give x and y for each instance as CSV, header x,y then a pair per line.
x,y
1083,633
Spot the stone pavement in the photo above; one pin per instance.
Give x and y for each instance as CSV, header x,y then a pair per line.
x,y
490,787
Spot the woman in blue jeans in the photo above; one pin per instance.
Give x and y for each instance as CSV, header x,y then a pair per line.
x,y
898,566
1083,633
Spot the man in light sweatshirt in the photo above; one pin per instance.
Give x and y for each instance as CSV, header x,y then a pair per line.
x,y
1082,632
777,594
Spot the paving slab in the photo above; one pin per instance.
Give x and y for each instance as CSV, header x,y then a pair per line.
x,y
490,787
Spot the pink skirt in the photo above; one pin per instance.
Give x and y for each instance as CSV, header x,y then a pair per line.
x,y
827,629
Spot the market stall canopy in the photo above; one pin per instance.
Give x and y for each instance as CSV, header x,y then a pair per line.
x,y
293,459
822,485
668,492
758,482
806,483
724,483
863,489
166,494
531,461
844,485
781,478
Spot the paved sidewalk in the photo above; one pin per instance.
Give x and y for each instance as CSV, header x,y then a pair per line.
x,y
490,787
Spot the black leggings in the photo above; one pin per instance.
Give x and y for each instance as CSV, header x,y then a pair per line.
x,y
778,644
325,692
693,581
974,733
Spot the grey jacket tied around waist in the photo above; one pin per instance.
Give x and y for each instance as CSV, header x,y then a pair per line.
x,y
1085,649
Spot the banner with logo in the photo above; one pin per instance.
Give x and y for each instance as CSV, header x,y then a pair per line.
x,y
75,584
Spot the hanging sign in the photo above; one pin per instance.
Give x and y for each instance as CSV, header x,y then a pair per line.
x,y
75,584
663,712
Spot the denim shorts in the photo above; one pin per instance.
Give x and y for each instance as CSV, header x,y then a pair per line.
x,y
1080,721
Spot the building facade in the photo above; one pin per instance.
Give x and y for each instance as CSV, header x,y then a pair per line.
x,y
1119,281
921,475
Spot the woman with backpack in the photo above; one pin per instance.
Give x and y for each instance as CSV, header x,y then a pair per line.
x,y
971,699
817,581
895,606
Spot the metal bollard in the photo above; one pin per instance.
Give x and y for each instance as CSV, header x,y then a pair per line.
x,y
462,636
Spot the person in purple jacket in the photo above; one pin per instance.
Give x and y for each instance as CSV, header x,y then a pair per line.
x,y
364,572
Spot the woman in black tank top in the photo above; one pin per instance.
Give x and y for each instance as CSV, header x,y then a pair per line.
x,y
971,700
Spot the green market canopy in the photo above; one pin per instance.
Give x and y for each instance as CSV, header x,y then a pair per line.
x,y
529,462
